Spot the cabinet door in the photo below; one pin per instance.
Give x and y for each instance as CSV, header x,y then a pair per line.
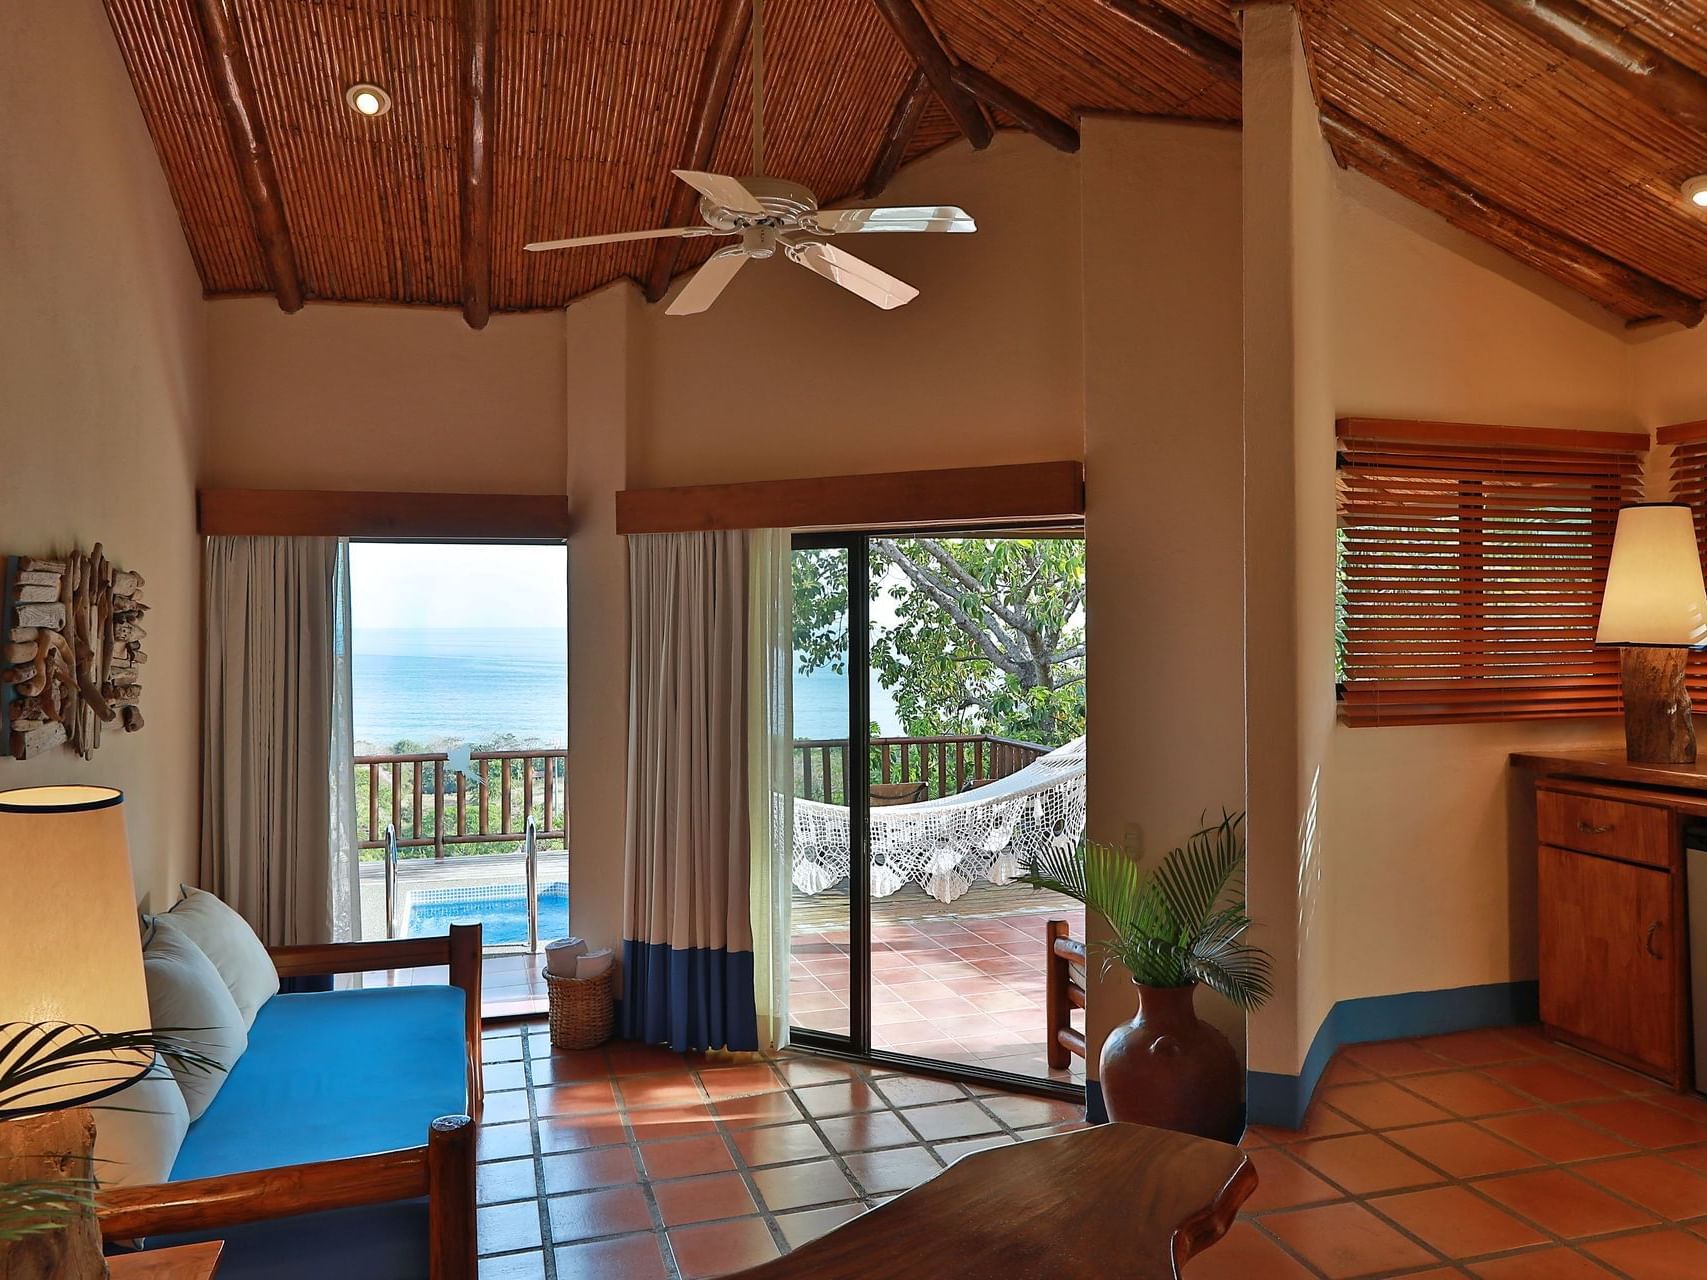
x,y
1607,955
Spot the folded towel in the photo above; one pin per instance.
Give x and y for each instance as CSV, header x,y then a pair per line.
x,y
560,956
594,963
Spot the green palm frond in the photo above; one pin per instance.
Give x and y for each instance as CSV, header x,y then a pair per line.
x,y
37,1059
32,1208
1181,924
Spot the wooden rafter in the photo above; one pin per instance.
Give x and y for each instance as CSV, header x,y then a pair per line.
x,y
474,33
1045,125
716,78
1577,264
1212,52
234,84
1645,72
920,41
899,136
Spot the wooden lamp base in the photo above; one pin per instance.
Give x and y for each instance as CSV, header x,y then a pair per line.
x,y
1659,725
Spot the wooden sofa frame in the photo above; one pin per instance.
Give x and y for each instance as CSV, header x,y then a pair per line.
x,y
442,1169
1061,995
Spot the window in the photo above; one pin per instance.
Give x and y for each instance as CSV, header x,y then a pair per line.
x,y
1471,561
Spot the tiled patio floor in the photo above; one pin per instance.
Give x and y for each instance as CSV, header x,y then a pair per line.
x,y
968,993
510,984
1493,1154
632,1163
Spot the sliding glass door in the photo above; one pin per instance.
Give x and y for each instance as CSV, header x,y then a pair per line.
x,y
939,718
829,944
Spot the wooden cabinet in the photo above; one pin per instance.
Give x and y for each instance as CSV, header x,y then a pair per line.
x,y
1610,905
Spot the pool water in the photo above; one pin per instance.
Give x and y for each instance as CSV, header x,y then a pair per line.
x,y
502,908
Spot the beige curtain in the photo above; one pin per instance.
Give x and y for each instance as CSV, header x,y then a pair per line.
x,y
687,936
277,803
770,771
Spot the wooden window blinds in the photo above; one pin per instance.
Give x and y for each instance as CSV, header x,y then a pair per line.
x,y
1688,474
1471,563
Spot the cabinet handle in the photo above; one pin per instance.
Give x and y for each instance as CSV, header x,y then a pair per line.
x,y
1590,829
1654,929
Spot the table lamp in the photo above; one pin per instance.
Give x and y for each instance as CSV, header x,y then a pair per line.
x,y
70,949
1655,610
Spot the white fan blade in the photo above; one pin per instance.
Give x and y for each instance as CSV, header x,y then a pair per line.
x,y
702,288
854,274
723,191
619,236
942,217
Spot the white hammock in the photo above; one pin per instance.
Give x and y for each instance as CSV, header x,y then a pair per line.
x,y
944,845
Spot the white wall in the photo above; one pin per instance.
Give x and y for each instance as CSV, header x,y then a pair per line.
x,y
101,362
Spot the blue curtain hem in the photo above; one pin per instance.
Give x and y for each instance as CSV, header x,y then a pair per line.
x,y
690,998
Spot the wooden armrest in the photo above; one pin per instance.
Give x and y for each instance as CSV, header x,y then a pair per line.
x,y
442,1170
359,957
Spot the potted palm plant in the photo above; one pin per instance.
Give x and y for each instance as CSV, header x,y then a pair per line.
x,y
1174,928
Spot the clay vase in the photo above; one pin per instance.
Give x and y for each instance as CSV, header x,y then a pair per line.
x,y
1168,1069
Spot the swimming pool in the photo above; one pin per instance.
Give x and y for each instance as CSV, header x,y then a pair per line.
x,y
502,908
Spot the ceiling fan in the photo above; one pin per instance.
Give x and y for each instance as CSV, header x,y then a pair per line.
x,y
771,215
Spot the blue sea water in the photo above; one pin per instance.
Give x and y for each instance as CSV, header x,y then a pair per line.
x,y
450,684
432,686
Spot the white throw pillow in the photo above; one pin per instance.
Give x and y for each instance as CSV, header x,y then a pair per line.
x,y
139,1129
188,1000
226,939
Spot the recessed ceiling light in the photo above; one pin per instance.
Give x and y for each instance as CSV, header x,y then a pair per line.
x,y
367,99
1696,189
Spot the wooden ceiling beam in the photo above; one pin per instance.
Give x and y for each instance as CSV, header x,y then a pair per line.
x,y
1213,53
903,124
1577,264
711,97
239,106
1645,72
1044,124
474,24
920,42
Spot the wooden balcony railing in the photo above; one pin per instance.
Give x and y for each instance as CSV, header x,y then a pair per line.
x,y
430,807
946,765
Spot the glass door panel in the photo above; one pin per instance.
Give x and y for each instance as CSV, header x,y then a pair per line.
x,y
821,943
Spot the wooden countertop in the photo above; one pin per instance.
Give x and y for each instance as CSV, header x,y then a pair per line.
x,y
1609,764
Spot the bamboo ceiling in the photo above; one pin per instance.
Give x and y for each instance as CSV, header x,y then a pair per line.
x,y
517,120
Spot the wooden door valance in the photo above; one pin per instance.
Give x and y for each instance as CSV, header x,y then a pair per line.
x,y
1017,494
328,514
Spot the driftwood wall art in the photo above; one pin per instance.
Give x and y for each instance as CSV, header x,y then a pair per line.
x,y
72,652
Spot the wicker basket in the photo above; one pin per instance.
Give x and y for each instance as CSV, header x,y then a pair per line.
x,y
582,1010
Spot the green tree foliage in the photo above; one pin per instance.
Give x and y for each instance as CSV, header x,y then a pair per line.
x,y
988,635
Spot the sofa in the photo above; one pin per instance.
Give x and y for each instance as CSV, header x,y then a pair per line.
x,y
340,1143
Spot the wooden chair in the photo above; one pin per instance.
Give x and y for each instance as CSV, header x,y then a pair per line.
x,y
1113,1202
1063,991
884,794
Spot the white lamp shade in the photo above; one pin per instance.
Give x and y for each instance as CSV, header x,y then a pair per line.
x,y
1654,593
70,949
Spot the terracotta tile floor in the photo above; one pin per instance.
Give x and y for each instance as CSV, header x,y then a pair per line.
x,y
631,1163
965,990
1492,1154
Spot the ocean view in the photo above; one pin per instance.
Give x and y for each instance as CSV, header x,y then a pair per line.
x,y
432,685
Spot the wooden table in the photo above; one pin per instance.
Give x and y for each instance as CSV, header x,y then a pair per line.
x,y
1113,1202
186,1262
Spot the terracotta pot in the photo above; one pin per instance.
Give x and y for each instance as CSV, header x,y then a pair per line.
x,y
1168,1069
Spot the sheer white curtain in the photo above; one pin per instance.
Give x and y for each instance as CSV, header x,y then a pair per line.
x,y
770,771
277,769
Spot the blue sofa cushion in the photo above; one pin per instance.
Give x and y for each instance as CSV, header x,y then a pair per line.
x,y
332,1074
370,1242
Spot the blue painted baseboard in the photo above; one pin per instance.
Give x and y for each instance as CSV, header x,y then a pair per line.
x,y
1280,1100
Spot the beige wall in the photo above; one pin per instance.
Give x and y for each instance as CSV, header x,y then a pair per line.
x,y
100,405
1159,273
354,397
789,376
